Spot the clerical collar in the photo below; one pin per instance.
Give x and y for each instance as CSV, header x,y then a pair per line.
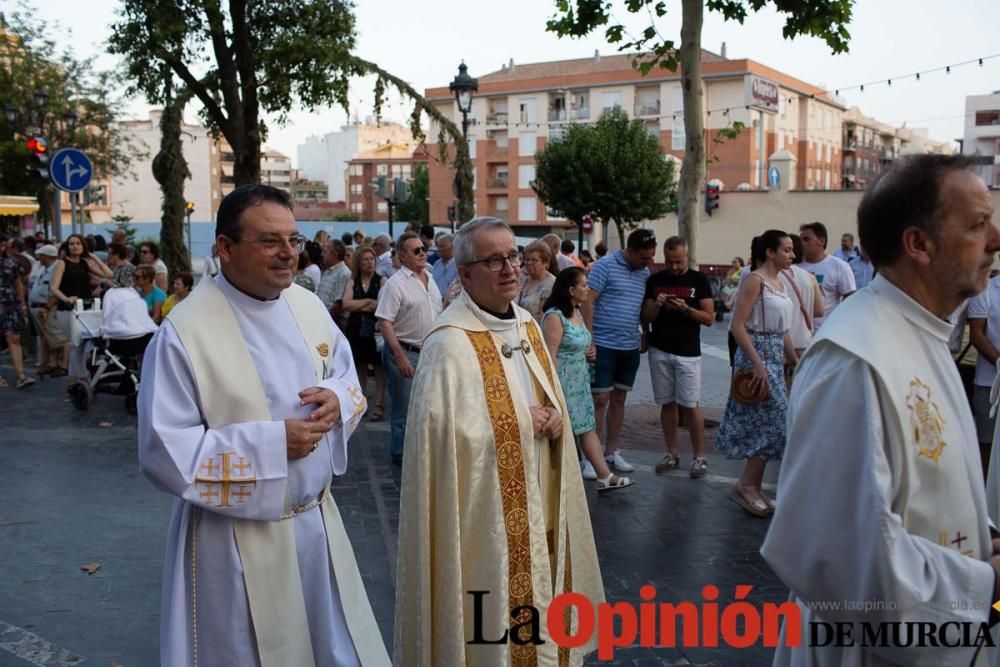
x,y
241,298
509,315
911,310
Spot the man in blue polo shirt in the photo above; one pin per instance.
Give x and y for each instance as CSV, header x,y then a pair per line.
x,y
617,283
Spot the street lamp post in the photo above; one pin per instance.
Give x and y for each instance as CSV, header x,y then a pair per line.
x,y
464,87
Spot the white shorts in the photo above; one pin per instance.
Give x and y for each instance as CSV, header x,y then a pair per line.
x,y
675,379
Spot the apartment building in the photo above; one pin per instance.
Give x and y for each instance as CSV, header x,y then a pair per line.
x,y
871,146
982,134
520,107
391,161
137,194
325,158
276,170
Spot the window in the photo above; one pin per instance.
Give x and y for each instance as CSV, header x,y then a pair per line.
x,y
827,177
526,107
357,188
356,207
526,145
756,173
501,203
407,170
527,208
557,132
677,136
988,118
357,170
611,99
525,175
381,170
382,207
473,179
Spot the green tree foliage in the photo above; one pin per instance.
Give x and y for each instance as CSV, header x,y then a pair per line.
x,y
30,61
826,19
416,208
612,170
240,59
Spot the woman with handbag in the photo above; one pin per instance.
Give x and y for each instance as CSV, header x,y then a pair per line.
x,y
753,427
360,301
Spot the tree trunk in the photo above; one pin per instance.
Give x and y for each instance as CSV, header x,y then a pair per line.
x,y
693,167
246,152
170,170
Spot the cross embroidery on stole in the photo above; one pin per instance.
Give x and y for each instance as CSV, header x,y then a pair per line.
x,y
216,480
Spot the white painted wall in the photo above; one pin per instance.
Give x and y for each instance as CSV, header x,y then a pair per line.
x,y
138,194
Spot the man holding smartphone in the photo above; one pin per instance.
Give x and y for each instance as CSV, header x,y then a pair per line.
x,y
678,302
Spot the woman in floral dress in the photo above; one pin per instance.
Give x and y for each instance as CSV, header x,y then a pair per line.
x,y
568,340
756,432
13,307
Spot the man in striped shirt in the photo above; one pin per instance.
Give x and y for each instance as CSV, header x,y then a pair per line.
x,y
617,284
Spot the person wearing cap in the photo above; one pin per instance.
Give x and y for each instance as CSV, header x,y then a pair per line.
x,y
617,284
55,353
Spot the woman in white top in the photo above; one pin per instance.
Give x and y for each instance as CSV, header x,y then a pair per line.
x,y
807,300
756,432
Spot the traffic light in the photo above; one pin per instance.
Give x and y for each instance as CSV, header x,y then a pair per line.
x,y
400,190
452,213
189,208
380,187
39,147
95,194
711,198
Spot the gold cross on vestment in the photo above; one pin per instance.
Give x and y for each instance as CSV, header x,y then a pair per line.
x,y
360,404
226,480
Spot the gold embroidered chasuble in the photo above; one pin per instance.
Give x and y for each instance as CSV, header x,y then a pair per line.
x,y
267,549
478,510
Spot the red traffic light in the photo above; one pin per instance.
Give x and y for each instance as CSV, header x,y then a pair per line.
x,y
37,145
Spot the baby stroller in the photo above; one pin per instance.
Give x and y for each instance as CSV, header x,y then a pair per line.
x,y
113,364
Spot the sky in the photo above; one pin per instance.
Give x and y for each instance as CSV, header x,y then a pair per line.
x,y
423,42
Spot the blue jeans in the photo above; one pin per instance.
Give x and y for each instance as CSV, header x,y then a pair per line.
x,y
399,398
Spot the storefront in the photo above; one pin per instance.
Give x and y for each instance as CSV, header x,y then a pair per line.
x,y
17,215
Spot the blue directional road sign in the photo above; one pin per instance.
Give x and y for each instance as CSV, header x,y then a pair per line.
x,y
71,170
774,178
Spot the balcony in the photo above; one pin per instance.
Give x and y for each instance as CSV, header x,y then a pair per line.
x,y
502,214
580,113
556,115
850,145
498,182
497,118
496,153
648,108
887,155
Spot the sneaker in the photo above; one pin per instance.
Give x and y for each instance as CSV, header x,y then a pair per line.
x,y
588,471
698,468
618,462
669,462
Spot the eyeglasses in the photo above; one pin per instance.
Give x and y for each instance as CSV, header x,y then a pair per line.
x,y
272,245
419,250
495,263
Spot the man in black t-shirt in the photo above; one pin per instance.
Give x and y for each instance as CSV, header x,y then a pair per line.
x,y
678,302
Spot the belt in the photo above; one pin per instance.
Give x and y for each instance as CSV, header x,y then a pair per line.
x,y
409,348
44,304
305,507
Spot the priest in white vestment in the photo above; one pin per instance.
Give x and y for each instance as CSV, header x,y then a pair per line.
x,y
492,499
880,499
248,396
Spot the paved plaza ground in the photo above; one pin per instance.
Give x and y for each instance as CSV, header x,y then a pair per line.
x,y
71,494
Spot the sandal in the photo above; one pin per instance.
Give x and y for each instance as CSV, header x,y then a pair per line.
x,y
756,507
376,414
57,372
771,505
25,381
615,482
3,383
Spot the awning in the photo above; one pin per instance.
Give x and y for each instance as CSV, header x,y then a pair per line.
x,y
15,205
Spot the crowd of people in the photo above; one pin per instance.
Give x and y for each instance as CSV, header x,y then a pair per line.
x,y
522,359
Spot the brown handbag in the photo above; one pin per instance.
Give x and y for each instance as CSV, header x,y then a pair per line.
x,y
741,386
